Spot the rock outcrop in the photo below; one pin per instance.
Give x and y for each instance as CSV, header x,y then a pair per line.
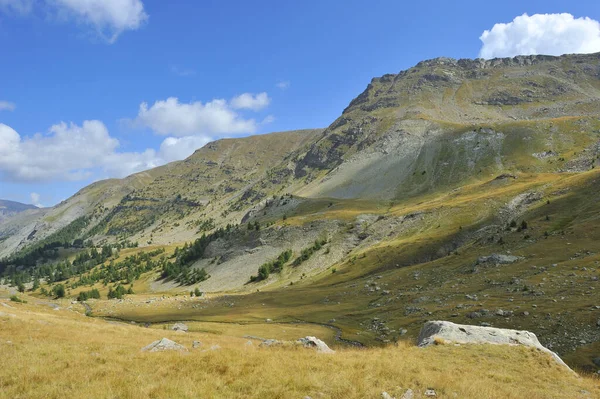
x,y
446,331
313,342
164,344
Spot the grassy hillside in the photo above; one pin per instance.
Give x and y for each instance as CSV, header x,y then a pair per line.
x,y
85,357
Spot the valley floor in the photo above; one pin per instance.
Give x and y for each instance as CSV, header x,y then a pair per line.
x,y
57,353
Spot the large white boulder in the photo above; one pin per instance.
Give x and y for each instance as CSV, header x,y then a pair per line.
x,y
446,331
314,342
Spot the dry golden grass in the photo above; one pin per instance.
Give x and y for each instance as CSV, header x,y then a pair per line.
x,y
57,354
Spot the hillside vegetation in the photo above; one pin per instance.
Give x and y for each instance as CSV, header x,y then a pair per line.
x,y
456,190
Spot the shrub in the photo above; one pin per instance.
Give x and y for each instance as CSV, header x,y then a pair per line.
x,y
272,267
58,291
15,298
117,293
85,295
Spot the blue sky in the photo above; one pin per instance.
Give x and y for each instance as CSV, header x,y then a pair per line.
x,y
156,79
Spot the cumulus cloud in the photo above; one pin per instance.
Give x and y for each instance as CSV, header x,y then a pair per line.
x,y
255,102
73,152
7,105
217,117
108,18
176,148
550,34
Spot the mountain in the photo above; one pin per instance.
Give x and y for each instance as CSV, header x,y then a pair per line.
x,y
463,189
10,208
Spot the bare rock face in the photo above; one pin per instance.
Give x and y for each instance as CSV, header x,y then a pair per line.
x,y
465,334
164,344
313,342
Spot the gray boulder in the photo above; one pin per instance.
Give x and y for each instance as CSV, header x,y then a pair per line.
x,y
164,344
465,334
313,342
180,327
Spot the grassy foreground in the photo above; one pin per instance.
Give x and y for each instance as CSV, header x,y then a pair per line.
x,y
50,353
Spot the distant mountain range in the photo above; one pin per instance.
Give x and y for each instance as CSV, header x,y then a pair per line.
x,y
10,208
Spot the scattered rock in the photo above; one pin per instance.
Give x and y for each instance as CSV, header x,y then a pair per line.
x,y
430,393
498,259
196,344
409,394
385,395
465,334
271,342
313,342
180,327
164,344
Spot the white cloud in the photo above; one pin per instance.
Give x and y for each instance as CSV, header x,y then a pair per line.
x,y
17,6
72,152
108,18
255,102
550,34
176,148
216,117
6,105
283,85
35,200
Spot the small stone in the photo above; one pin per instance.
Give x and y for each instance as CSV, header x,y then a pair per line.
x,y
409,394
196,344
430,393
385,395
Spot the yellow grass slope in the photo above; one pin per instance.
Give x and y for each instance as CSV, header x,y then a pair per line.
x,y
58,354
